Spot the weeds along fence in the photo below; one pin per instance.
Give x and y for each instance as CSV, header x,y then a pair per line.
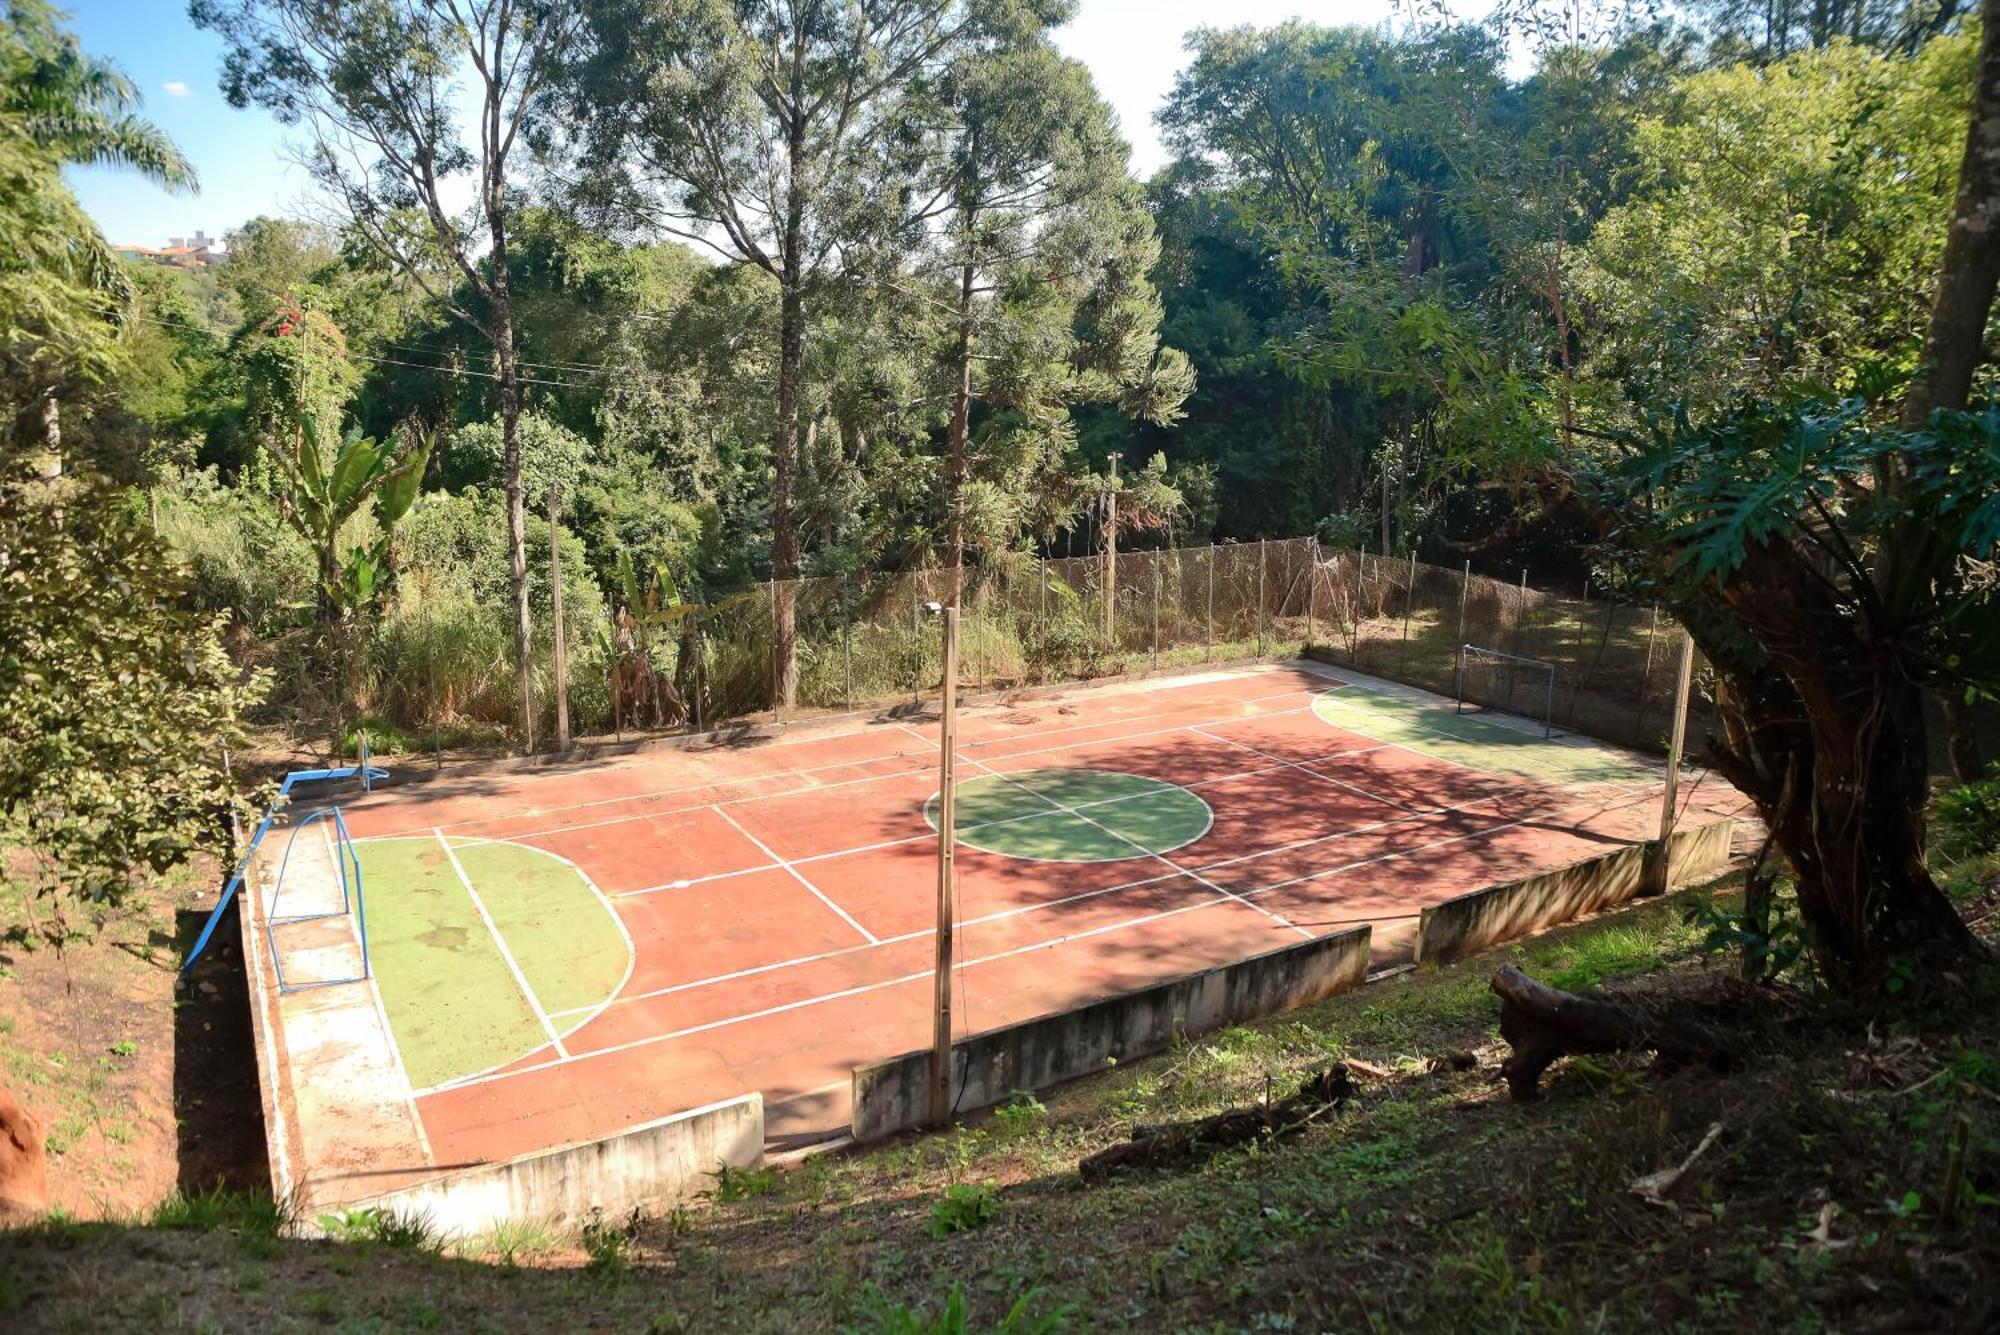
x,y
441,673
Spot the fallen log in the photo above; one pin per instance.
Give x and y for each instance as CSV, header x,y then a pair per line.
x,y
1543,1023
1182,1142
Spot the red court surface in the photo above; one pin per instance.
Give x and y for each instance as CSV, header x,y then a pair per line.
x,y
779,893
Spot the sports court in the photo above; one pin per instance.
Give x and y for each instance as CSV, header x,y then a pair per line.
x,y
564,951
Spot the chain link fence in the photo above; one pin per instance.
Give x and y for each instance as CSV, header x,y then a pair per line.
x,y
868,642
1614,663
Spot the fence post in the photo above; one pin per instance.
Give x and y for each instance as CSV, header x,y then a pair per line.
x,y
700,662
1263,560
556,629
1156,611
1208,645
1646,677
847,645
1464,589
1521,645
431,671
1312,586
771,594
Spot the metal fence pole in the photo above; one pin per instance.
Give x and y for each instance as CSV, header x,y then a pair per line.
x,y
771,593
1521,620
431,670
1208,645
1156,611
1646,678
1464,590
1312,585
1263,560
847,645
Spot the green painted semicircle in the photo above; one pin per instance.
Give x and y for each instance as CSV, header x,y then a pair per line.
x,y
1075,815
454,1004
1469,740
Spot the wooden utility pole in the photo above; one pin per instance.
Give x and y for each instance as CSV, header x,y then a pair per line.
x,y
1659,875
556,621
1111,557
947,909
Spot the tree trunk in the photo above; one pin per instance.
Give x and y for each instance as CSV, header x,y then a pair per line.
x,y
510,462
1542,1023
784,464
961,425
1835,710
561,651
1956,340
1961,737
51,466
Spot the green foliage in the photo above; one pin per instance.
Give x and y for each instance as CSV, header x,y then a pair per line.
x,y
742,1184
246,1214
552,457
880,1315
243,559
1785,229
114,708
964,1207
62,290
1020,1112
374,1225
1770,949
328,489
1967,822
607,1245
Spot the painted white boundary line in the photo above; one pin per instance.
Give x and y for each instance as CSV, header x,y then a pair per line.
x,y
520,979
1044,905
931,834
1307,691
1278,918
382,1013
880,984
799,876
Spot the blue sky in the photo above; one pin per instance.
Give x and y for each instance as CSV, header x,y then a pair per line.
x,y
1133,48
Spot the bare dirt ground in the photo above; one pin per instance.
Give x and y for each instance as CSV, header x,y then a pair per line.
x,y
142,1087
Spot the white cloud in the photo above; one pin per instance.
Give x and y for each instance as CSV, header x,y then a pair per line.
x,y
175,88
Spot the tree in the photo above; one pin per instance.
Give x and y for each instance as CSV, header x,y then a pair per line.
x,y
62,291
115,708
1784,230
778,134
1050,251
375,88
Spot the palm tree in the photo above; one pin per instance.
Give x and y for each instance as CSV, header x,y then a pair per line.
x,y
60,284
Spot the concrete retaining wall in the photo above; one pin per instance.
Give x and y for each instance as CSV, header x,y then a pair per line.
x,y
650,1165
1472,922
894,1095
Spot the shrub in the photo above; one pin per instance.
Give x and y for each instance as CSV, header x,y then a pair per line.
x,y
1968,819
966,1206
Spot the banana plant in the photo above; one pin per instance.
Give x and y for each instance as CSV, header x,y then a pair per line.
x,y
321,496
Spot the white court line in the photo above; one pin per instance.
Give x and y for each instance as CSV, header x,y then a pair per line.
x,y
1278,918
1044,905
799,876
878,985
520,979
1301,766
828,787
382,1011
1593,748
685,882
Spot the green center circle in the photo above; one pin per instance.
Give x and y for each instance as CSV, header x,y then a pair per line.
x,y
1075,815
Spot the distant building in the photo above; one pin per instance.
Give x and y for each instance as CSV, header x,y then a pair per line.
x,y
182,252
